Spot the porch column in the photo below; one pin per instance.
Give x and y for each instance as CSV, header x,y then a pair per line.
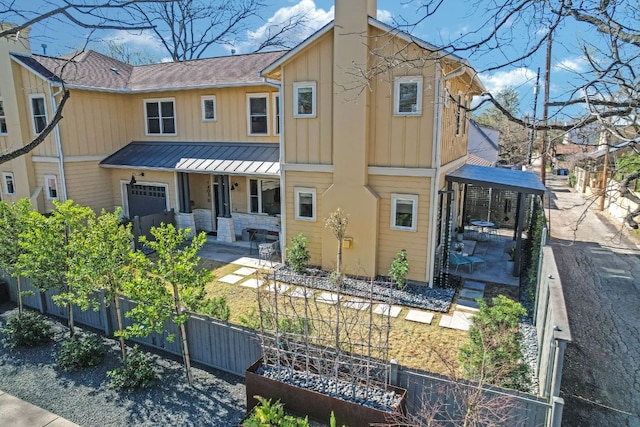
x,y
184,217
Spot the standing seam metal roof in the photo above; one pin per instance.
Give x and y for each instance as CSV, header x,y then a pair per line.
x,y
229,158
505,179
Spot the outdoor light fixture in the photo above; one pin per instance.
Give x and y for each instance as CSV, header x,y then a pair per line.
x,y
133,178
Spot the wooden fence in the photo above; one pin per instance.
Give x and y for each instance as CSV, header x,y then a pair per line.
x,y
141,225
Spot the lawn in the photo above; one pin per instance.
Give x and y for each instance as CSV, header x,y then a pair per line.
x,y
414,345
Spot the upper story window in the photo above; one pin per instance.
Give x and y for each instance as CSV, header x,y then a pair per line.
x,y
276,115
304,99
404,211
38,113
160,116
305,204
257,114
264,196
9,187
51,186
209,109
3,119
408,96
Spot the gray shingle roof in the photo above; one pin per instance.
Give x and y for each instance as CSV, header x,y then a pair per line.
x,y
238,158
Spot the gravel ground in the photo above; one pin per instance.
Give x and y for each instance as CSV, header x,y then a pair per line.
x,y
216,399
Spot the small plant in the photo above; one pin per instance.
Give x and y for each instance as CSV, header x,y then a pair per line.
x,y
28,330
135,372
298,255
399,268
77,353
267,414
572,180
511,252
217,308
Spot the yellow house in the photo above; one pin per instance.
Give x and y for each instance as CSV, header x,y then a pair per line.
x,y
359,116
372,121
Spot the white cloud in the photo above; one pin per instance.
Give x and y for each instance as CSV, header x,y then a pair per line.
x,y
571,64
141,39
313,18
385,16
502,79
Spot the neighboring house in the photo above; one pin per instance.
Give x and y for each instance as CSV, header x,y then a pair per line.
x,y
484,144
271,140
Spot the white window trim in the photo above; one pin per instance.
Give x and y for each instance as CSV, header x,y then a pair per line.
x,y
46,187
297,192
459,114
33,121
5,118
276,117
146,119
301,85
396,95
249,195
6,175
395,197
215,111
249,97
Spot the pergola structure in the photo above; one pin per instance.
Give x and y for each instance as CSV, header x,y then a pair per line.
x,y
521,182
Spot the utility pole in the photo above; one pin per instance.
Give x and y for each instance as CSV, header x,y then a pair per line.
x,y
545,112
532,130
605,165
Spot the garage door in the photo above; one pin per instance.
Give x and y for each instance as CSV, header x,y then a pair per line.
x,y
146,199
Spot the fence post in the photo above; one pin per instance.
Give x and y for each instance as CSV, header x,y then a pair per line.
x,y
106,317
393,372
557,405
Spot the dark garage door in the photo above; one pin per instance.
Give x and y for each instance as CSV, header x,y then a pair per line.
x,y
146,199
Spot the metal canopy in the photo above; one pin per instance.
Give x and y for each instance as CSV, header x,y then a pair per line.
x,y
504,179
229,158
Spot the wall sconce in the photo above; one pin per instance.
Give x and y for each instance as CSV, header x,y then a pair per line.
x,y
133,178
233,186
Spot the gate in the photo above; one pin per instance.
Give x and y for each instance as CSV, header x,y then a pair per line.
x,y
141,225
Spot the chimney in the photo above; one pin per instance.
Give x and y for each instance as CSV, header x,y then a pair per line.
x,y
19,42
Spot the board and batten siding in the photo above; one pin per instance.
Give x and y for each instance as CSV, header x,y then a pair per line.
x,y
40,170
454,146
312,230
88,185
391,241
309,139
31,85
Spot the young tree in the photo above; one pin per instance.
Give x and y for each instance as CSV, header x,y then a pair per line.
x,y
163,288
337,222
14,220
50,244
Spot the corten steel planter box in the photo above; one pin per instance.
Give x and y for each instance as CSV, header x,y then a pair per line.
x,y
316,405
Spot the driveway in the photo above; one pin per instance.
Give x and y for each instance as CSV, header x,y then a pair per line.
x,y
599,264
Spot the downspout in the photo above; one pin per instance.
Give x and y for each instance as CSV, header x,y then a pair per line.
x,y
283,193
56,135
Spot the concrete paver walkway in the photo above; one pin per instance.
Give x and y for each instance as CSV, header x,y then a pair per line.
x,y
15,412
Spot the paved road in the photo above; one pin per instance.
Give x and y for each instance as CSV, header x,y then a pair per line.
x,y
600,271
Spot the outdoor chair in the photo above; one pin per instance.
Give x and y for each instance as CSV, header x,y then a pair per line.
x,y
459,260
258,237
493,231
266,251
474,260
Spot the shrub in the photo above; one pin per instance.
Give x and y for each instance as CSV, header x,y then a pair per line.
x,y
77,353
267,414
399,268
493,353
135,372
28,330
298,255
217,308
571,182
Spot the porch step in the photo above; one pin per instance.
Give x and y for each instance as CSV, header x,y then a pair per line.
x,y
467,304
476,286
471,294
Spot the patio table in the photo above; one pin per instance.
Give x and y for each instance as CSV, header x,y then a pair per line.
x,y
482,236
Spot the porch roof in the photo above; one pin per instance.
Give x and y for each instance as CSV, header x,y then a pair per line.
x,y
229,158
500,178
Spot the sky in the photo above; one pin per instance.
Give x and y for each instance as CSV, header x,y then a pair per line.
x,y
451,21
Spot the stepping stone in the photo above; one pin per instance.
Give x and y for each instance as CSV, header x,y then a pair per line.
x,y
357,304
252,283
231,279
459,321
388,310
471,294
476,286
419,316
245,271
301,293
327,298
467,304
280,287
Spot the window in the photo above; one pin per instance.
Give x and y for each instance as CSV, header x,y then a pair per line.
x,y
264,196
38,113
208,108
304,99
3,119
408,96
160,116
276,119
51,186
257,111
305,204
9,187
404,211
